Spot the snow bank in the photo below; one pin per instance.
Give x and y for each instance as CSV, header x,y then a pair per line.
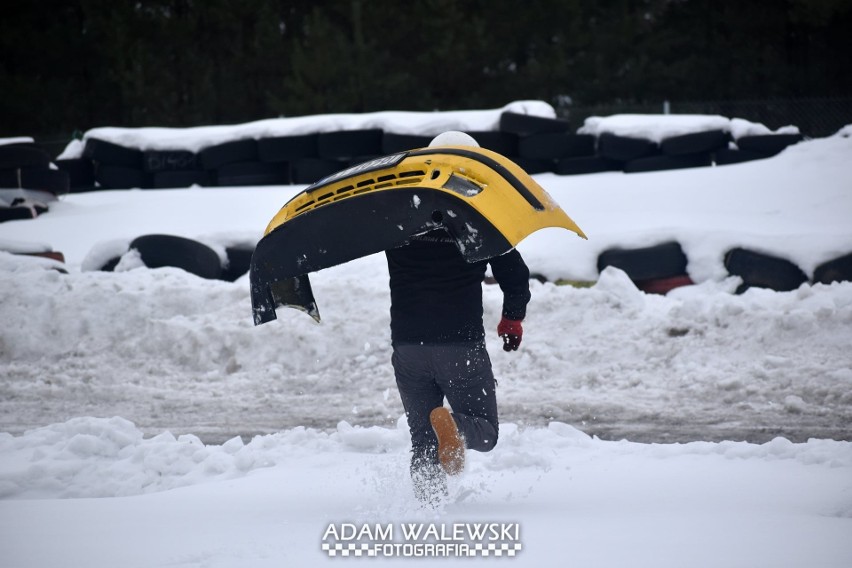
x,y
110,457
168,350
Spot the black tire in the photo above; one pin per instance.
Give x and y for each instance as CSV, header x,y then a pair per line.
x,y
111,154
663,286
763,270
214,157
695,143
110,265
504,143
16,213
533,166
526,124
120,177
53,181
346,144
726,156
239,262
23,156
556,145
590,165
624,149
660,163
169,160
196,258
311,170
665,260
393,143
253,173
770,144
837,270
287,148
81,172
162,180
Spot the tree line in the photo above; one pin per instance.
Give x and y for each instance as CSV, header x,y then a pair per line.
x,y
78,64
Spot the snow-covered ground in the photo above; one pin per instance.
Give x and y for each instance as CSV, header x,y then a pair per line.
x,y
178,360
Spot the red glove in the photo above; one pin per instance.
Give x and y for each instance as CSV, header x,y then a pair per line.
x,y
511,332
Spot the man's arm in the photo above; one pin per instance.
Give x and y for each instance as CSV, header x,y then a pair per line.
x,y
513,276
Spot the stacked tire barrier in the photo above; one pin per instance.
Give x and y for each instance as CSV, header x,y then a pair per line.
x,y
29,180
537,144
661,268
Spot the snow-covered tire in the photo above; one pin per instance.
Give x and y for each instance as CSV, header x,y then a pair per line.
x,y
665,260
53,181
81,173
393,143
770,144
661,163
120,177
504,143
695,143
169,160
624,148
590,165
253,173
111,154
726,156
346,144
287,148
526,124
239,262
837,270
23,156
763,271
533,166
157,251
214,157
16,213
109,265
556,145
664,285
184,178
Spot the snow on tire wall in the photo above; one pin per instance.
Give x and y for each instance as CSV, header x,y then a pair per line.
x,y
302,150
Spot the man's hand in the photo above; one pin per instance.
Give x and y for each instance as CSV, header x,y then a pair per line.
x,y
511,331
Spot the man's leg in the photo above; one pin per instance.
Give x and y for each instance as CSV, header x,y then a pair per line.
x,y
420,394
465,376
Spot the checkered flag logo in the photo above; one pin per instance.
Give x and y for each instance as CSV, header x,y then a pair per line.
x,y
350,549
493,549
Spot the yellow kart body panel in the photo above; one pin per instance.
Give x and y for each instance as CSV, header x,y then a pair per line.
x,y
516,209
484,201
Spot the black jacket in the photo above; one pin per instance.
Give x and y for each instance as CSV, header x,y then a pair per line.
x,y
436,297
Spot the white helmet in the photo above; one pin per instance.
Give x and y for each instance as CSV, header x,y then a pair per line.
x,y
453,138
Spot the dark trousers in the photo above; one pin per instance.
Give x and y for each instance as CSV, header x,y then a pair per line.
x,y
461,372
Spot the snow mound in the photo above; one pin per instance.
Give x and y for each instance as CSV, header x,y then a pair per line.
x,y
110,457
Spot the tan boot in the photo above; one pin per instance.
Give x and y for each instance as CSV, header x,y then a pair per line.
x,y
450,442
